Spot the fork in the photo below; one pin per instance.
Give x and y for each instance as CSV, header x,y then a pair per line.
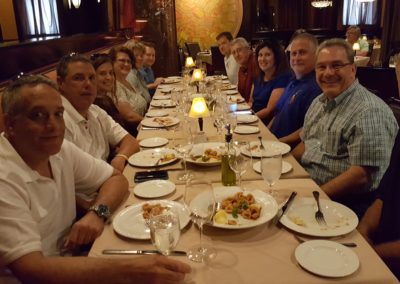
x,y
319,216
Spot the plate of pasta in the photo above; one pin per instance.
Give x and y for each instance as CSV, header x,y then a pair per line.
x,y
241,209
206,154
131,221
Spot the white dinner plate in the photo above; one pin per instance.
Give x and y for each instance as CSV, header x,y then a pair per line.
x,y
246,118
156,112
174,78
165,88
130,223
158,122
161,97
228,87
171,80
235,99
198,150
327,258
154,188
271,148
300,217
243,107
286,167
162,103
153,142
269,207
246,129
230,92
153,157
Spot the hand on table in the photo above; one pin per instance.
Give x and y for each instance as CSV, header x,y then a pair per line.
x,y
158,269
85,231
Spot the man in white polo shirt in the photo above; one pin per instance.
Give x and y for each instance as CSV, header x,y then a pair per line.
x,y
231,66
39,175
87,125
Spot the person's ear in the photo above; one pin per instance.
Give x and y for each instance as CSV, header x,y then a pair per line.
x,y
8,124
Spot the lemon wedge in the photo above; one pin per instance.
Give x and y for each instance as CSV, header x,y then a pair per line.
x,y
220,217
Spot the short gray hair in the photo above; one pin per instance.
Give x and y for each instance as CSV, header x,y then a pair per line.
x,y
338,42
11,101
241,41
135,45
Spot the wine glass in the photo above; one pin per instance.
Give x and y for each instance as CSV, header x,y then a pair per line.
x,y
183,147
238,162
271,169
165,230
200,201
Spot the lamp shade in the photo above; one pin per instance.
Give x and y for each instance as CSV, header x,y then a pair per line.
x,y
189,62
199,108
356,46
197,75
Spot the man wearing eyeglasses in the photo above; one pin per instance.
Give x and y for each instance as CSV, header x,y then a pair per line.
x,y
348,132
39,175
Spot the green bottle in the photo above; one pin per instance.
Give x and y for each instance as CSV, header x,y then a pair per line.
x,y
228,176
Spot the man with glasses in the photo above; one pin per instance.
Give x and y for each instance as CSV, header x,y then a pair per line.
x,y
348,132
40,173
224,41
248,65
299,93
87,125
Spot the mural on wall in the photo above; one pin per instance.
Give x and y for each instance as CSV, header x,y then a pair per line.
x,y
202,20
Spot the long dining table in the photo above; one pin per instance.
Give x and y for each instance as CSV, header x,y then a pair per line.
x,y
261,254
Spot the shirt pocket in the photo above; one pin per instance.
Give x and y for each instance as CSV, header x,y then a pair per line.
x,y
331,145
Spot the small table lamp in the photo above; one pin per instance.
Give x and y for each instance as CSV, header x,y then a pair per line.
x,y
189,62
356,47
199,110
197,77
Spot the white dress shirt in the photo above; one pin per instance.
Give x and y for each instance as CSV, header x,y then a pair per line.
x,y
232,69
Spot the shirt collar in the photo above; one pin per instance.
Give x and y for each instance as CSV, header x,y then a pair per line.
x,y
74,114
8,152
331,104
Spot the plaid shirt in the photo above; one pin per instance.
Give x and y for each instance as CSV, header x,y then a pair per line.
x,y
355,129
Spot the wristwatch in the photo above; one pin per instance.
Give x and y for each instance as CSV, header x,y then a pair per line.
x,y
101,210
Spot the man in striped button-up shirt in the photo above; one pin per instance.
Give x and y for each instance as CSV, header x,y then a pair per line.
x,y
348,132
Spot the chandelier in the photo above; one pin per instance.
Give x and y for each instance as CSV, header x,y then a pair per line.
x,y
321,4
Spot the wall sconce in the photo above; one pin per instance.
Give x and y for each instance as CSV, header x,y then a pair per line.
x,y
199,110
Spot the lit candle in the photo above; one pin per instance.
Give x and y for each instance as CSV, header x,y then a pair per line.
x,y
197,75
356,46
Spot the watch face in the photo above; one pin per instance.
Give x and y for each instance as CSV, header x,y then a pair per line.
x,y
103,211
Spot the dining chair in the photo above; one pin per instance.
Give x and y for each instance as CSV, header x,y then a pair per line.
x,y
193,48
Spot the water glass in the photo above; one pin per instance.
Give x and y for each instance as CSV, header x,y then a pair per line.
x,y
238,162
165,231
200,202
271,169
183,147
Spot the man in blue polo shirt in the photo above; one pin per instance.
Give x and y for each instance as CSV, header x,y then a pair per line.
x,y
300,91
149,58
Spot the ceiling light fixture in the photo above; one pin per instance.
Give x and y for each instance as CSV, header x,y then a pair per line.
x,y
321,4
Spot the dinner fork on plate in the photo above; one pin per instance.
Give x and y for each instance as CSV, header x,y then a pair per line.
x,y
319,216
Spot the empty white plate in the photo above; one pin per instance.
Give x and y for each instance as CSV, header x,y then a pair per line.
x,y
155,112
246,129
243,107
153,142
246,118
154,188
286,167
230,92
161,97
327,258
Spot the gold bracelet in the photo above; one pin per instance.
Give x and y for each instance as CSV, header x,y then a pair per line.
x,y
123,156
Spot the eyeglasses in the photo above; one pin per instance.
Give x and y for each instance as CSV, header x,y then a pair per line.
x,y
125,61
334,66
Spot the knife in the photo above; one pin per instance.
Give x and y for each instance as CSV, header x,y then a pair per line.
x,y
287,204
141,252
